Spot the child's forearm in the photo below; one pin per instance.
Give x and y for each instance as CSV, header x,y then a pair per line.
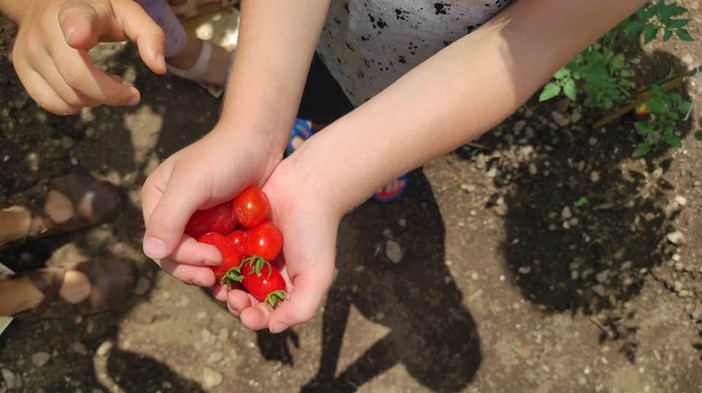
x,y
276,43
459,93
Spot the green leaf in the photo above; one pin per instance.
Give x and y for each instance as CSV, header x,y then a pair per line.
x,y
683,35
569,89
698,135
650,34
550,90
641,149
667,34
672,140
643,128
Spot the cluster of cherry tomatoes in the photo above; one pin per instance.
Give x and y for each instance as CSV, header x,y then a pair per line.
x,y
247,239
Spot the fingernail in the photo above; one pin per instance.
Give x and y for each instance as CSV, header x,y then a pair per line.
x,y
135,98
210,262
161,61
70,32
279,327
155,248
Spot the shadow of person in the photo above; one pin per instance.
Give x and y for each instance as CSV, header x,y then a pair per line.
x,y
431,333
102,142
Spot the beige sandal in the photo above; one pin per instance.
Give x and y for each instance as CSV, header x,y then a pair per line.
x,y
111,282
78,201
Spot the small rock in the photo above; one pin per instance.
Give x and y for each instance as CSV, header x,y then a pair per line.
x,y
104,348
533,169
211,378
599,290
681,200
214,357
602,276
560,119
40,358
566,213
519,126
12,381
594,176
676,238
393,251
524,269
501,210
79,348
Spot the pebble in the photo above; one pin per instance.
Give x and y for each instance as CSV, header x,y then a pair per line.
x,y
594,176
560,119
215,357
566,213
12,381
211,378
393,251
104,348
501,210
681,200
676,238
79,348
533,169
223,334
39,359
519,126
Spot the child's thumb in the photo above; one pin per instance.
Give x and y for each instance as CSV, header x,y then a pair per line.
x,y
80,23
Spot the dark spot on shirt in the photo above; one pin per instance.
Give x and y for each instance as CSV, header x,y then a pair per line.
x,y
402,60
440,8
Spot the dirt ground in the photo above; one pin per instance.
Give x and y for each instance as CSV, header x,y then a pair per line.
x,y
488,276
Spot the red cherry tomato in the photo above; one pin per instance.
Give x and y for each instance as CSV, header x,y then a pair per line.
x,y
231,259
219,218
238,239
264,240
251,207
263,281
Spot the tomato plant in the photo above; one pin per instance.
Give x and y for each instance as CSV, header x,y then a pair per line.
x,y
231,258
251,207
264,240
219,218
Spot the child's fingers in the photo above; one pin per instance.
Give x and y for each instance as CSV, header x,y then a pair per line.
x,y
44,94
77,70
83,23
140,28
189,274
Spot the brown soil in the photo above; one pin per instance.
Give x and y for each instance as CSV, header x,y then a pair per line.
x,y
506,282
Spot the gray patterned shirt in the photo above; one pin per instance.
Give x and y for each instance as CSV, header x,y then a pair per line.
x,y
368,44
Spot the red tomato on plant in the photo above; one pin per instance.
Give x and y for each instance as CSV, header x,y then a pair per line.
x,y
251,207
264,240
231,259
261,280
219,218
238,239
